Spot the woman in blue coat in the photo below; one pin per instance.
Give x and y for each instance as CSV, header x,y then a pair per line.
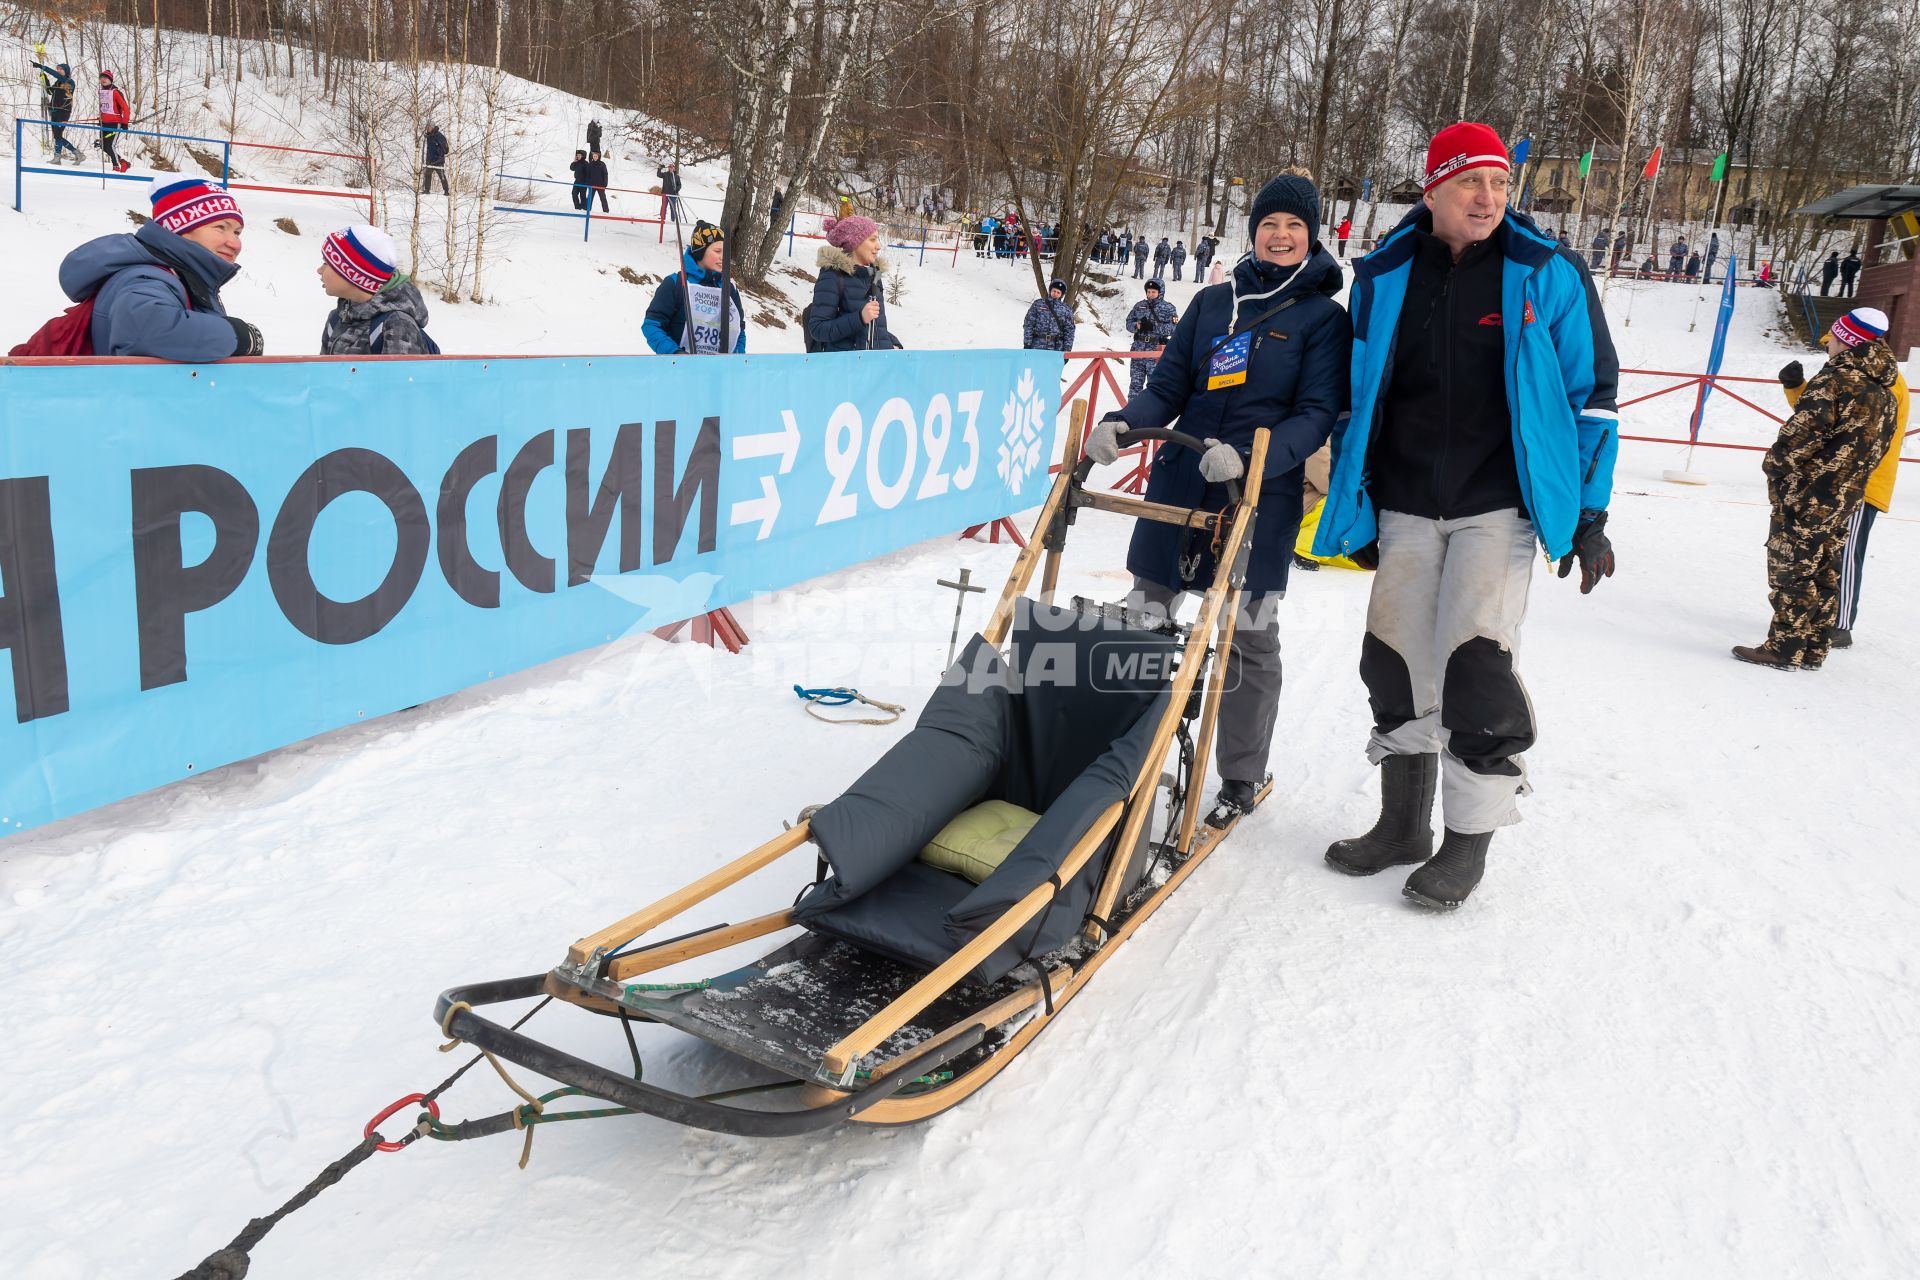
x,y
1268,348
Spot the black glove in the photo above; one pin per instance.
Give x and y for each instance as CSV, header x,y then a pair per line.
x,y
1592,548
246,339
1367,557
1791,374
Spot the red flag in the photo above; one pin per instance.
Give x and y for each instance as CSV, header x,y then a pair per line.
x,y
1653,164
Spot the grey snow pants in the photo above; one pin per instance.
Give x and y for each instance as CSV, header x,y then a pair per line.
x,y
1251,701
1443,626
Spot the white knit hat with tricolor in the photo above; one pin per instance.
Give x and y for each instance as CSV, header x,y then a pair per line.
x,y
1862,324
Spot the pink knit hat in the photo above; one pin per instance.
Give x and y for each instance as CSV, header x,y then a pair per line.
x,y
844,233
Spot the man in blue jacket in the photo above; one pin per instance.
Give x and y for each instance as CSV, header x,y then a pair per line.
x,y
1483,428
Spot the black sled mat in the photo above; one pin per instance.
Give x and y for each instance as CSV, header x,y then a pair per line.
x,y
786,1009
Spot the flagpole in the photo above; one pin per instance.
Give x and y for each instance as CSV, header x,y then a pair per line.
x,y
1652,191
1580,205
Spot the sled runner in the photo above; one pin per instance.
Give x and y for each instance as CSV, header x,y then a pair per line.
x,y
964,889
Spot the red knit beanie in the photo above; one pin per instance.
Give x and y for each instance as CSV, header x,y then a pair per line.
x,y
1460,147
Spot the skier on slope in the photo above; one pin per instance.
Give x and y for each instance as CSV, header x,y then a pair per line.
x,y
115,116
1049,324
1269,350
1452,490
670,329
379,312
57,88
157,292
434,153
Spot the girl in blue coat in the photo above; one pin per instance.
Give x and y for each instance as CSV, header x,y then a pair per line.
x,y
1268,348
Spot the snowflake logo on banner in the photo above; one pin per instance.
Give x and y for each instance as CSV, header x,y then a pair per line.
x,y
1022,423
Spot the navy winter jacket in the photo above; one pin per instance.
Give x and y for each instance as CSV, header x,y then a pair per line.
x,y
436,147
141,284
839,295
666,322
1296,386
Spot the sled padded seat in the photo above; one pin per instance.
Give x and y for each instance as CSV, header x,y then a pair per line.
x,y
1060,731
979,839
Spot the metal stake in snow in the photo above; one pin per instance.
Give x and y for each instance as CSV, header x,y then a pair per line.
x,y
959,606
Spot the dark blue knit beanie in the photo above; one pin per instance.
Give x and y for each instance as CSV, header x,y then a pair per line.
x,y
1287,193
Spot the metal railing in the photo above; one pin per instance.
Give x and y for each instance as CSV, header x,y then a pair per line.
x,y
225,180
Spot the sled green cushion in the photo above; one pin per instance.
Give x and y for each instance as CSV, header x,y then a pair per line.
x,y
976,842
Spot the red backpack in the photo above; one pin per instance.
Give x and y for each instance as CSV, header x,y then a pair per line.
x,y
68,334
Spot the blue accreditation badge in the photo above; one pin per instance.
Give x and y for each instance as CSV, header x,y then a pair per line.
x,y
1228,365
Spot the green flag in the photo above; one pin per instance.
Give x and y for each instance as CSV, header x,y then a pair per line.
x,y
1586,162
1719,168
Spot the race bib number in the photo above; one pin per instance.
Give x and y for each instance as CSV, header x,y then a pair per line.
x,y
1228,365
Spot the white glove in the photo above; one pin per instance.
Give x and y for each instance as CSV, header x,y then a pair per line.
x,y
1220,463
1103,442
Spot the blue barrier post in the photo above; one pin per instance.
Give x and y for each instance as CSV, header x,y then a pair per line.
x,y
226,162
792,218
19,134
586,224
923,244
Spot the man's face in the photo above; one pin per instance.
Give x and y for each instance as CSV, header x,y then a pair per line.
x,y
1468,208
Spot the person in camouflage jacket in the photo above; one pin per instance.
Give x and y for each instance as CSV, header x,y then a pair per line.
x,y
1816,475
1049,325
1150,322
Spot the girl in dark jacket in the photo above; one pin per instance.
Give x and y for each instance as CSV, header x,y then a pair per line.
x,y
849,309
1269,348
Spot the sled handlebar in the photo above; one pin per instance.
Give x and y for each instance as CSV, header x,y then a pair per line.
x,y
1141,435
623,1090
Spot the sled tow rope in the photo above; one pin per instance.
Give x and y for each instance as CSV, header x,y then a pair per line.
x,y
840,697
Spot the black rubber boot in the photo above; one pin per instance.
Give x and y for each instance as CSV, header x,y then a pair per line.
x,y
1839,638
1404,833
1445,882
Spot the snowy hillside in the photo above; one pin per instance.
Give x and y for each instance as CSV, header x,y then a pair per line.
x,y
547,291
1673,1034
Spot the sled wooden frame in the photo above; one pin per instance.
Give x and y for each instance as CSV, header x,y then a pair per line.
x,y
596,963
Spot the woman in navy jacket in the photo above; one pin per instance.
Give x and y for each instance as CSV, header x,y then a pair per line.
x,y
1268,348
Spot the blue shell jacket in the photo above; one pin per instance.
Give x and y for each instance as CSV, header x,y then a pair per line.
x,y
1561,371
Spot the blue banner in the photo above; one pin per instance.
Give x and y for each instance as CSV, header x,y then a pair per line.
x,y
1719,350
201,563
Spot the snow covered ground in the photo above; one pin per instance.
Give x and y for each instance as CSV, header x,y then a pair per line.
x,y
1673,1034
